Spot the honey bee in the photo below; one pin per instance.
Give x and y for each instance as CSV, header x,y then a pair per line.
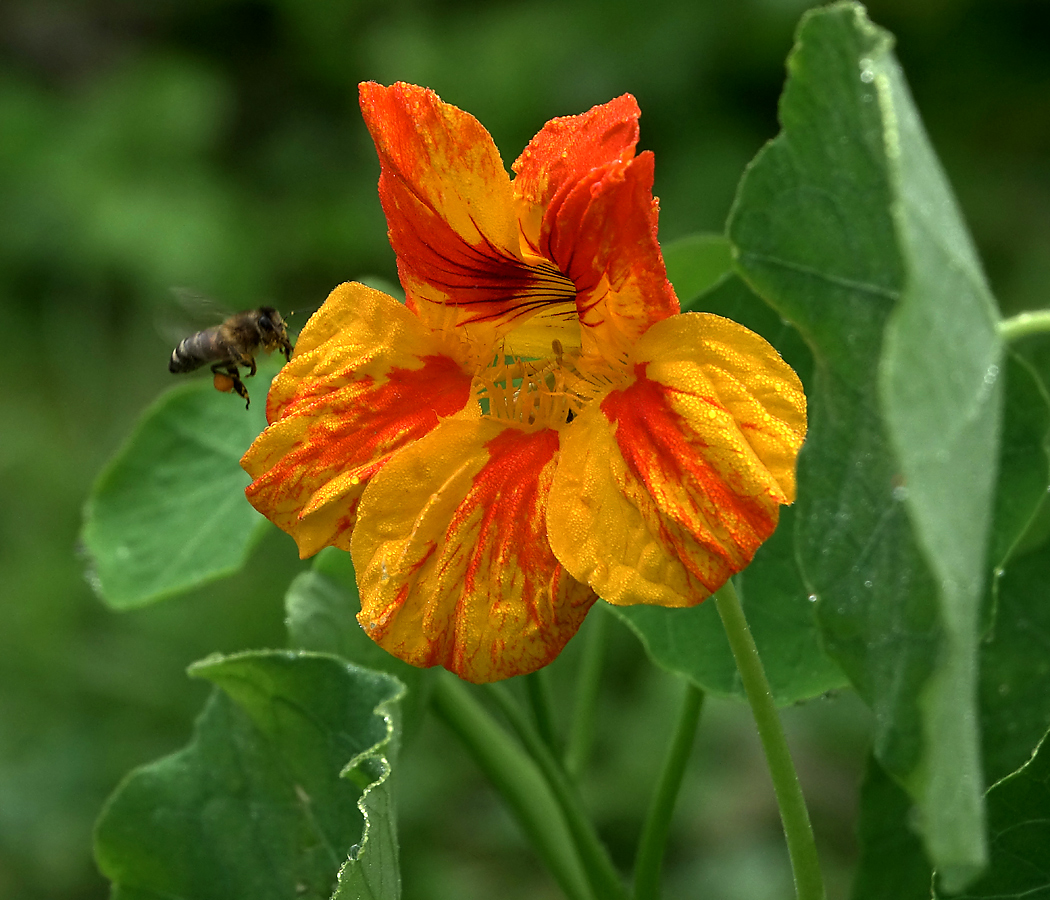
x,y
232,344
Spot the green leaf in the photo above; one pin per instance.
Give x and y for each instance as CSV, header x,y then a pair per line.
x,y
1015,667
168,513
322,607
692,642
846,225
1019,825
1024,462
286,776
892,865
1014,700
1015,663
695,263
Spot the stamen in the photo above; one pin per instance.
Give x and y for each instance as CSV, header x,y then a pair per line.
x,y
532,393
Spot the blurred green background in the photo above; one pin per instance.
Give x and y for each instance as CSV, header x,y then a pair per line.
x,y
216,145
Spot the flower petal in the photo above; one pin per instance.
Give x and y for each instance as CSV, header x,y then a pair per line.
x,y
450,209
367,378
602,234
669,484
452,558
569,147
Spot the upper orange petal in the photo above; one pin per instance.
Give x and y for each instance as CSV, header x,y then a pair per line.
x,y
452,558
366,379
670,483
602,233
566,149
450,209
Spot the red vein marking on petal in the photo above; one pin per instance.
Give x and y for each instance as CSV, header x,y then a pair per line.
x,y
510,492
480,275
356,427
667,456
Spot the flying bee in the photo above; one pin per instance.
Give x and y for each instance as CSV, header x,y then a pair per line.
x,y
232,344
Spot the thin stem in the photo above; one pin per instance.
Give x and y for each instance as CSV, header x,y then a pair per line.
x,y
581,736
538,690
602,874
518,780
650,856
793,814
1025,324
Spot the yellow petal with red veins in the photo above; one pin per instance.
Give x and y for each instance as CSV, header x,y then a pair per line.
x,y
669,484
452,558
367,378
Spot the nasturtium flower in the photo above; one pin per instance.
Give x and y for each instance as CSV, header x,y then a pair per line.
x,y
537,425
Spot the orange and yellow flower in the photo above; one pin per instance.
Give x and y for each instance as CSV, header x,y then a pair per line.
x,y
537,425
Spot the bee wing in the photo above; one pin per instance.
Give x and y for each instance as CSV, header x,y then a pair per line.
x,y
185,313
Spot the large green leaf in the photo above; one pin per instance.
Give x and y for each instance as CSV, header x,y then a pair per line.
x,y
1019,826
1015,666
1015,655
1024,463
846,225
168,513
283,790
892,865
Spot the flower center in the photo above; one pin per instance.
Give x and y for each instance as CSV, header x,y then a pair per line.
x,y
534,393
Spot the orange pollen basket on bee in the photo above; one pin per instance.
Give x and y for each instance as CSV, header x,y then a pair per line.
x,y
223,382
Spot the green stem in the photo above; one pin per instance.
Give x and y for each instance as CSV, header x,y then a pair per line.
x,y
793,814
581,735
602,875
538,691
1025,324
518,780
658,822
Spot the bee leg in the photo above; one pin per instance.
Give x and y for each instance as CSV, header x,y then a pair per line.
x,y
241,391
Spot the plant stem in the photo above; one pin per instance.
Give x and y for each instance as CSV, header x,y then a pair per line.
x,y
1025,324
518,780
581,735
793,814
650,856
602,875
538,690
